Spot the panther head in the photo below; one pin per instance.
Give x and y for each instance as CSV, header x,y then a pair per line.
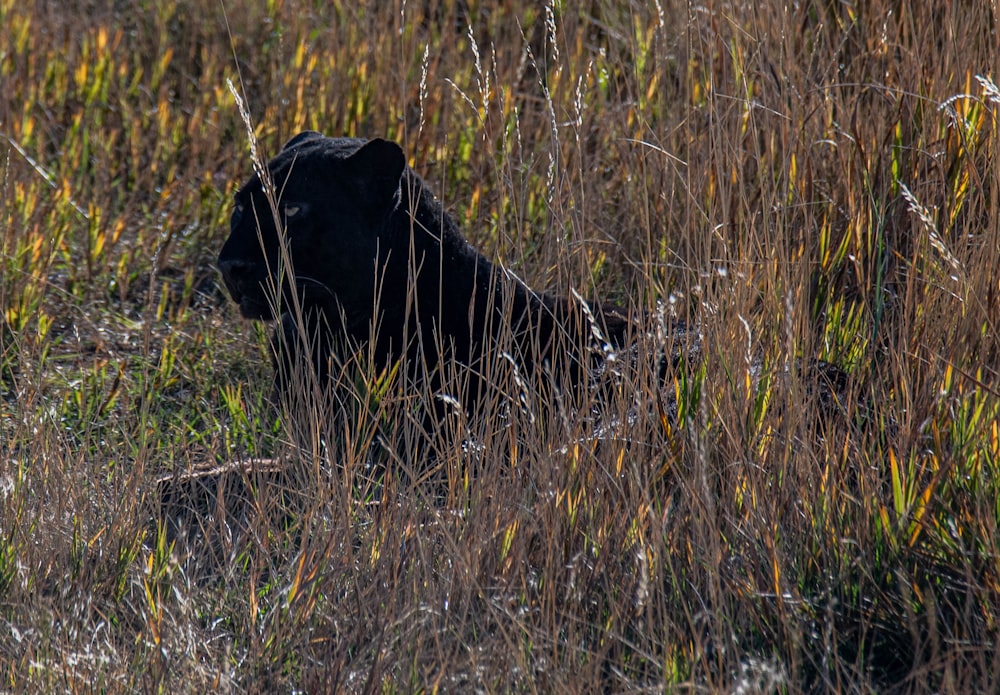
x,y
317,235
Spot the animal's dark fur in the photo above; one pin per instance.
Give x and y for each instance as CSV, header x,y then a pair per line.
x,y
379,267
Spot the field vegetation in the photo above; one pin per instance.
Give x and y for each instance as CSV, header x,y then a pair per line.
x,y
802,181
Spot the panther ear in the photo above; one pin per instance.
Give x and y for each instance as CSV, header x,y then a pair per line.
x,y
304,136
379,166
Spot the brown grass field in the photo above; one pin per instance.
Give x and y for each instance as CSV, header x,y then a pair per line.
x,y
810,180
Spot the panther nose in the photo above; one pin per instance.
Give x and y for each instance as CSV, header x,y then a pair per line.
x,y
234,269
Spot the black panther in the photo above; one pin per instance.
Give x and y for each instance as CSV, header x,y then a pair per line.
x,y
357,257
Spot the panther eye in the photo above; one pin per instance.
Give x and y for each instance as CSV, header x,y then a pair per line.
x,y
293,211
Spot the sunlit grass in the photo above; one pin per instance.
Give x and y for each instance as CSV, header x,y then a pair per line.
x,y
827,193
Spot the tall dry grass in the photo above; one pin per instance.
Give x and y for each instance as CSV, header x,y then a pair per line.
x,y
806,181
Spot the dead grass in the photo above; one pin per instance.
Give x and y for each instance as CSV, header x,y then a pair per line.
x,y
811,180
